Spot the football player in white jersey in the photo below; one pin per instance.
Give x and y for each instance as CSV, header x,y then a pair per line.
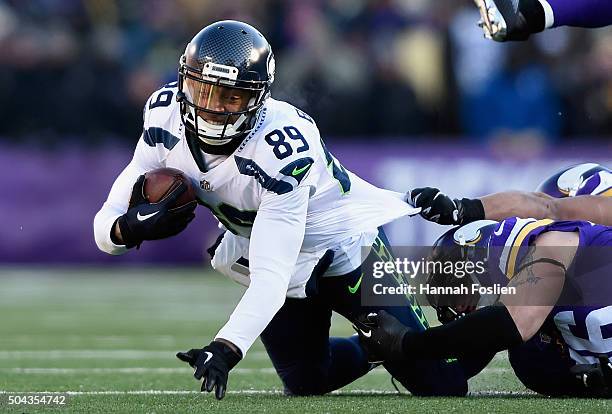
x,y
289,206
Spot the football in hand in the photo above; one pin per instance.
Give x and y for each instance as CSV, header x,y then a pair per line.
x,y
160,182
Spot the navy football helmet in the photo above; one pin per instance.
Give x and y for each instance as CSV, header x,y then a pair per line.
x,y
567,181
224,79
467,243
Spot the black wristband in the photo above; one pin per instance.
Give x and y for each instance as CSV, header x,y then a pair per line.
x,y
489,329
114,238
126,233
232,358
470,210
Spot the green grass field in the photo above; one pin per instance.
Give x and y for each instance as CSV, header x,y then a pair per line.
x,y
108,338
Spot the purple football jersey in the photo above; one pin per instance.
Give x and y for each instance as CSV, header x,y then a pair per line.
x,y
583,313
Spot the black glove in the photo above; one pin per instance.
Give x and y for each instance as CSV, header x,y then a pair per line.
x,y
153,221
381,334
511,19
440,208
596,378
212,364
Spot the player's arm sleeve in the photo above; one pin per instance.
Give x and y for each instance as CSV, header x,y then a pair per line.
x,y
276,239
144,159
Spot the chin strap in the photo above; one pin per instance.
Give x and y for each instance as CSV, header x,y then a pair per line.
x,y
196,143
225,149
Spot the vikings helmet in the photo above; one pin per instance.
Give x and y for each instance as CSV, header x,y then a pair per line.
x,y
224,80
567,181
599,183
462,244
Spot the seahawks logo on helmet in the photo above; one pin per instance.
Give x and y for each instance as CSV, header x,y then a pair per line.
x,y
271,67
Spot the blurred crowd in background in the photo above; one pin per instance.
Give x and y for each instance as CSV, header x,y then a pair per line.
x,y
393,68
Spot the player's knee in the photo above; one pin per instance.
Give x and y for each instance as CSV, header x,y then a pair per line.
x,y
305,380
429,378
447,387
303,391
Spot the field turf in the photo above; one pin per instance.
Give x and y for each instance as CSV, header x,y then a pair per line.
x,y
107,338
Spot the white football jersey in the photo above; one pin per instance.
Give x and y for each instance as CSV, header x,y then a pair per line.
x,y
282,195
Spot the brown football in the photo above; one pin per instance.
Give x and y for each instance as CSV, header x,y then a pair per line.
x,y
158,183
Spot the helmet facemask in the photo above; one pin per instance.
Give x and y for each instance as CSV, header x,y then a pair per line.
x,y
452,306
468,250
215,105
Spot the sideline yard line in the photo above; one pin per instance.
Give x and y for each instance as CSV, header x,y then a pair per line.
x,y
104,354
131,370
87,354
25,337
163,340
259,392
497,393
173,370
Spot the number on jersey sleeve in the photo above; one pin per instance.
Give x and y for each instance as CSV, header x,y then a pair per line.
x,y
164,97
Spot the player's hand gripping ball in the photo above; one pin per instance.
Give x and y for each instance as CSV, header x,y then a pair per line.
x,y
162,204
162,182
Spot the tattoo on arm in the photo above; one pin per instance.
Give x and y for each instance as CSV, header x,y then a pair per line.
x,y
526,276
